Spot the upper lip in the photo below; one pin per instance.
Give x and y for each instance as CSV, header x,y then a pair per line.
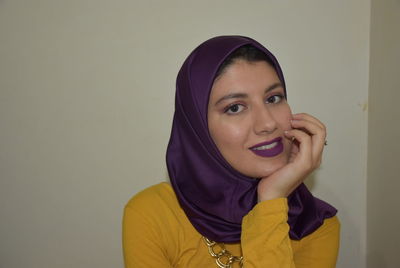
x,y
266,143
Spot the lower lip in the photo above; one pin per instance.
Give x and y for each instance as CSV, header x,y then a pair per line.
x,y
270,152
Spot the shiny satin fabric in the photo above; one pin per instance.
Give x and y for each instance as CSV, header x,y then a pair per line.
x,y
214,196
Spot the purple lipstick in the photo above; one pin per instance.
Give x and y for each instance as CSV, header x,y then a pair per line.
x,y
269,148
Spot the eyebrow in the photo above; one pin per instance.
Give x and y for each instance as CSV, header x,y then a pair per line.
x,y
244,95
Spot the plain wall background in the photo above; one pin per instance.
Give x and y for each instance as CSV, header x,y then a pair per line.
x,y
86,104
383,133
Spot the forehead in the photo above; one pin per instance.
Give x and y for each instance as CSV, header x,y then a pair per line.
x,y
243,76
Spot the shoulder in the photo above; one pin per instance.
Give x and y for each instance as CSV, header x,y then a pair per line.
x,y
159,194
320,248
328,232
157,205
330,225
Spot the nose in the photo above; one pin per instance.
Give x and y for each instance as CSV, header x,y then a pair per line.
x,y
264,121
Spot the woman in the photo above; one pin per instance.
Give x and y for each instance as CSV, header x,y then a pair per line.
x,y
237,158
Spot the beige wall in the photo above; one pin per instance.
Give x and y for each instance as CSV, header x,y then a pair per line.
x,y
86,101
383,133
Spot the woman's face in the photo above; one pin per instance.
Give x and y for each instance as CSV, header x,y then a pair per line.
x,y
247,117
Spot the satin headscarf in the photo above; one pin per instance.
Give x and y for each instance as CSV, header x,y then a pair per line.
x,y
214,196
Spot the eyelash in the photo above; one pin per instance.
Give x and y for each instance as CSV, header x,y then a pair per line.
x,y
277,95
227,109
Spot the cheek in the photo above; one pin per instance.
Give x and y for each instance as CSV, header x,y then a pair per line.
x,y
227,133
283,117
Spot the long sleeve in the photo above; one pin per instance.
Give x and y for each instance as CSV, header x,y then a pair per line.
x,y
265,240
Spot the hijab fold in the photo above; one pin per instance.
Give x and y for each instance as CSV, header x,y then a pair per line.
x,y
214,196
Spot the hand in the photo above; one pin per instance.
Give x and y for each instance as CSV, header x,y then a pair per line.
x,y
309,137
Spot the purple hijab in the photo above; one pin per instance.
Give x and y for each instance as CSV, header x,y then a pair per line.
x,y
214,196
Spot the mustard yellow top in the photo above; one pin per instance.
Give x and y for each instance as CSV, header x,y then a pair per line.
x,y
157,233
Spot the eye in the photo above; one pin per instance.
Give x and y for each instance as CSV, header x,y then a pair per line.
x,y
234,109
275,99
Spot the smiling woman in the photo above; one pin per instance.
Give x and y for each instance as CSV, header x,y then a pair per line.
x,y
237,158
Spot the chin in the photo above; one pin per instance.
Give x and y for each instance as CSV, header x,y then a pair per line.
x,y
257,168
262,171
266,173
260,174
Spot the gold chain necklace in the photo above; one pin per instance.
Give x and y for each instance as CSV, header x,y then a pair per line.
x,y
223,258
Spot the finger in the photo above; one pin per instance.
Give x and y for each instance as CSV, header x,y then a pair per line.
x,y
308,117
318,133
318,136
294,151
305,153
